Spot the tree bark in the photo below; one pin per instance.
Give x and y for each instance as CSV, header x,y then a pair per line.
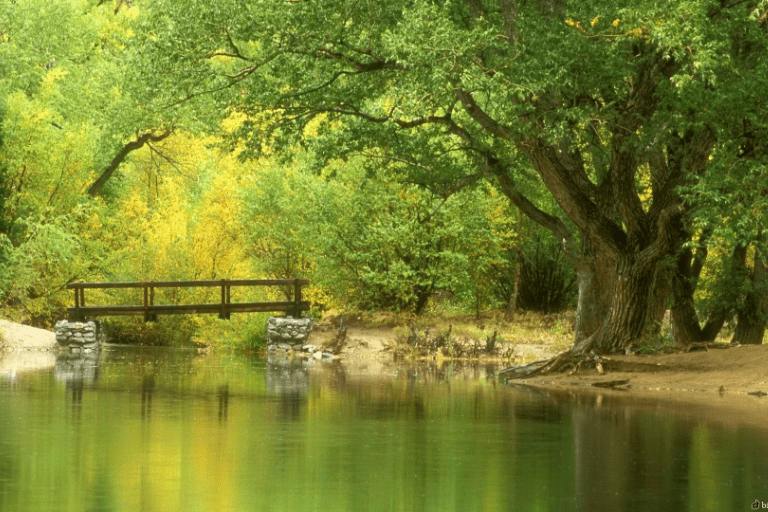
x,y
631,297
686,327
596,278
658,302
685,321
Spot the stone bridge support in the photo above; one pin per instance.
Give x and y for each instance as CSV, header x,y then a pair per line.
x,y
80,337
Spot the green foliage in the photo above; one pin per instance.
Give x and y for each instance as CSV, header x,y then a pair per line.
x,y
369,242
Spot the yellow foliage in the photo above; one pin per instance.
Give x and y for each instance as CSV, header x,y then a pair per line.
x,y
216,242
174,233
135,207
594,21
53,75
132,12
312,128
615,23
233,122
319,295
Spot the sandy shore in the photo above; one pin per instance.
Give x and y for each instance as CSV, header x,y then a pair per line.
x,y
25,348
15,336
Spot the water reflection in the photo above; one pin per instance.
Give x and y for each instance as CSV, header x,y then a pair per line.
x,y
223,393
172,431
77,367
147,388
287,375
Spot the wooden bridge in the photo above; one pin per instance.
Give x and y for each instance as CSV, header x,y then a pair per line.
x,y
224,308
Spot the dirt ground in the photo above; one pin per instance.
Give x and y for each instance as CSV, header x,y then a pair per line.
x,y
15,336
25,348
741,369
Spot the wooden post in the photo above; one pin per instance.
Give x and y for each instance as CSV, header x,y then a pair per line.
x,y
297,299
76,316
229,299
223,310
152,316
146,303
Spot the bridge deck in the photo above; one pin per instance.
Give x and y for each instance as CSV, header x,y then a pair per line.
x,y
224,308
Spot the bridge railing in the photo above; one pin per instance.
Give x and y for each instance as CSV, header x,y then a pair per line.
x,y
224,308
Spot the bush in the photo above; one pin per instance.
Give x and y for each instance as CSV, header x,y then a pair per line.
x,y
547,283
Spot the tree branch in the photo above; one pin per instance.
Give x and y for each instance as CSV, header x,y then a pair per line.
x,y
138,143
468,180
479,115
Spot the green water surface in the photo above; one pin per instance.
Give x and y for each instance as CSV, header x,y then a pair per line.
x,y
169,430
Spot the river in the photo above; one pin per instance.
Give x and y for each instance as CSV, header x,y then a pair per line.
x,y
171,430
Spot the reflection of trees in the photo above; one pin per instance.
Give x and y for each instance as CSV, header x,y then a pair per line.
x,y
223,394
76,370
434,439
623,456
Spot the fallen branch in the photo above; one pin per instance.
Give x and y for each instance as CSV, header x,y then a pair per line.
x,y
708,345
611,383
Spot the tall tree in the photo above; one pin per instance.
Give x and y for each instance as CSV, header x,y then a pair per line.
x,y
611,107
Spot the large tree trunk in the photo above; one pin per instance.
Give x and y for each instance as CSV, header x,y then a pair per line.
x,y
596,279
685,320
626,322
686,327
658,302
753,316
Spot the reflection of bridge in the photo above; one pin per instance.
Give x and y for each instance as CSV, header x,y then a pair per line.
x,y
150,310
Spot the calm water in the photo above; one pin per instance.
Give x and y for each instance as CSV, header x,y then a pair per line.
x,y
166,430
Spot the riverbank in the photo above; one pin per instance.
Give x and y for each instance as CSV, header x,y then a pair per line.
x,y
15,336
25,349
372,344
739,370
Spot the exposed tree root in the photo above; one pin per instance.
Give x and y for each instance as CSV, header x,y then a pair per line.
x,y
574,357
542,367
581,356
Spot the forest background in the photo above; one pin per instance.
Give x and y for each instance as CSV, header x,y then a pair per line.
x,y
414,156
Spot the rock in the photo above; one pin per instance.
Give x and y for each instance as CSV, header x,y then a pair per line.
x,y
309,348
283,346
318,355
